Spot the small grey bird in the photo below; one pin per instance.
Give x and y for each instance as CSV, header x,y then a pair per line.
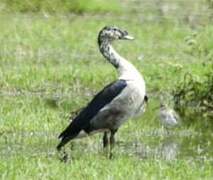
x,y
116,103
168,117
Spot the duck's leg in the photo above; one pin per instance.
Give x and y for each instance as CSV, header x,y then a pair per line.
x,y
112,141
167,131
105,140
63,155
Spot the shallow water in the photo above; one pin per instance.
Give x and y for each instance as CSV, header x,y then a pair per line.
x,y
171,146
155,144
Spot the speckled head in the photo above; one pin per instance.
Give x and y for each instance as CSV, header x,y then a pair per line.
x,y
111,33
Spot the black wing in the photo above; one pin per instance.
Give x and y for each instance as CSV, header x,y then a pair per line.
x,y
82,121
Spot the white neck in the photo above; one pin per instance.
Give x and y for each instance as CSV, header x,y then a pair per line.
x,y
125,69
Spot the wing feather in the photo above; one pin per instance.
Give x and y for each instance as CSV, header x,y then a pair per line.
x,y
82,121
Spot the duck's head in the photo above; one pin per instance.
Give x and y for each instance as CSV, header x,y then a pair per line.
x,y
162,105
111,33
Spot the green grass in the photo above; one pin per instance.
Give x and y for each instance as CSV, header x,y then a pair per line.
x,y
65,6
50,65
120,168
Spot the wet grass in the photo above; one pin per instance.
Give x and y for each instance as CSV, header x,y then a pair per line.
x,y
50,66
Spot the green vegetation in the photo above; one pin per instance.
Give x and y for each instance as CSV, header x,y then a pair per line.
x,y
75,6
193,95
50,65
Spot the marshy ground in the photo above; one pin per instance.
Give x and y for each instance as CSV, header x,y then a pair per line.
x,y
50,65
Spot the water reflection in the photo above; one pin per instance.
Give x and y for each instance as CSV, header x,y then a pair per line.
x,y
167,148
152,145
179,145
